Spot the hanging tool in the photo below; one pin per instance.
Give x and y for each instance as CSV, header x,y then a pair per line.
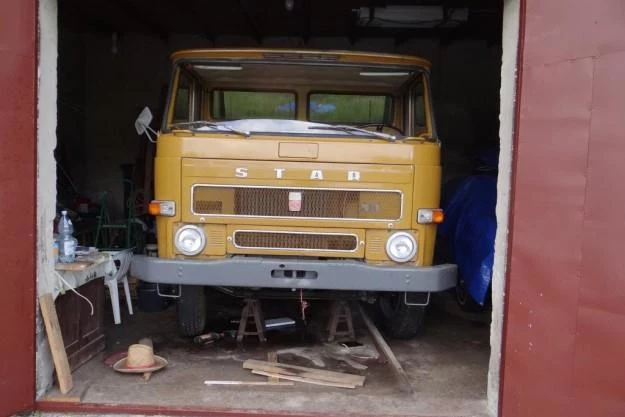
x,y
303,305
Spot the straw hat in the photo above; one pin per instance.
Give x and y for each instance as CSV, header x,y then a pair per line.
x,y
140,359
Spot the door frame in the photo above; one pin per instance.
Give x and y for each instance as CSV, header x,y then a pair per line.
x,y
46,204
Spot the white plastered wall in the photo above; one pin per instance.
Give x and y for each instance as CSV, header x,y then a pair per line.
x,y
507,113
46,175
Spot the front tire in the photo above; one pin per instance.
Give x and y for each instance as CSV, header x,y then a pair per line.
x,y
192,310
398,320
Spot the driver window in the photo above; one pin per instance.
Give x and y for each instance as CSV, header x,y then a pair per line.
x,y
183,95
186,104
418,105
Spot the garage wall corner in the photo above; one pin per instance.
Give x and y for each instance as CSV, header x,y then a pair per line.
x,y
510,45
46,176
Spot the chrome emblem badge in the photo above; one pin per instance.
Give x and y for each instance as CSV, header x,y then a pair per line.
x,y
315,174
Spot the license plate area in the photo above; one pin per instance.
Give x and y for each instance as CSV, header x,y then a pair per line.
x,y
293,274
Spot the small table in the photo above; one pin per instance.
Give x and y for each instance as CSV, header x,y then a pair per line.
x,y
84,269
83,333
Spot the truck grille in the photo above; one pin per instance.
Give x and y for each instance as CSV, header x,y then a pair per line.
x,y
253,239
315,203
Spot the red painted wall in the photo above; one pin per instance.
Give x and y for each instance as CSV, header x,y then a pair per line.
x,y
17,203
564,351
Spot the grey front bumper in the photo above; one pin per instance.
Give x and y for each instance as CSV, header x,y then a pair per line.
x,y
258,272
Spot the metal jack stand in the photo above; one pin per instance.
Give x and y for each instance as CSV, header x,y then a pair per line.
x,y
340,313
251,312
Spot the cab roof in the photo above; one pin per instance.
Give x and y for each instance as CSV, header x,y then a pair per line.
x,y
307,55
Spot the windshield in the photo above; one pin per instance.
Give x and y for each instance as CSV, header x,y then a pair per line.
x,y
232,105
349,108
392,102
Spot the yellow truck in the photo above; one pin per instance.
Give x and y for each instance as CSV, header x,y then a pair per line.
x,y
306,172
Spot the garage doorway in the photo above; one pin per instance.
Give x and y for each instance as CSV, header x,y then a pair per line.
x,y
113,60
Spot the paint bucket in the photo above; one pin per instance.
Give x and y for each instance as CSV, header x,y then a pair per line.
x,y
148,299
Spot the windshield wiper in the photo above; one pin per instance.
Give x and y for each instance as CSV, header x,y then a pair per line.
x,y
351,129
203,123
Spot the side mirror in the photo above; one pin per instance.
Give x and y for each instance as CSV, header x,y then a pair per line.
x,y
143,121
142,124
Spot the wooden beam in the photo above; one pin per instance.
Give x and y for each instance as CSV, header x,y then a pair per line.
x,y
62,399
385,350
300,371
272,357
55,339
248,383
305,380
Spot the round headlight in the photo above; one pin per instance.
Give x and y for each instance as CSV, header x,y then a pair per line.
x,y
401,247
190,240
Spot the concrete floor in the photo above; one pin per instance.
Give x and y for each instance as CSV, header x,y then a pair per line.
x,y
447,366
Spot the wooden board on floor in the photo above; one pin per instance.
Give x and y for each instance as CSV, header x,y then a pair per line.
x,y
55,339
62,399
249,383
304,379
303,372
75,396
385,350
272,357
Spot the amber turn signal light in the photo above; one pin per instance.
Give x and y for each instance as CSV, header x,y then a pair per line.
x,y
162,208
430,216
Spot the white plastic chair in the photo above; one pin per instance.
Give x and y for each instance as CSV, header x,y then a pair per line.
x,y
124,258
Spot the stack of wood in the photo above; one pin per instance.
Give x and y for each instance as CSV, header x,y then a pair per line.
x,y
303,374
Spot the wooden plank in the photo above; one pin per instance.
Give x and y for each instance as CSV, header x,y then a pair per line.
x,y
74,266
294,370
272,357
304,379
76,396
55,339
385,350
246,383
62,398
301,371
81,262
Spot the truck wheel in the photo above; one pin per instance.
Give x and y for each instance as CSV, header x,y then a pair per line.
x,y
192,310
398,320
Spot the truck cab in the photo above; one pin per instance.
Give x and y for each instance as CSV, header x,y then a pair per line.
x,y
302,172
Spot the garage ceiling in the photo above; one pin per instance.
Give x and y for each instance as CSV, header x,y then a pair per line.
x,y
260,19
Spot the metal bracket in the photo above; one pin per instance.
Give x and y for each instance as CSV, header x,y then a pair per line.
x,y
427,301
158,291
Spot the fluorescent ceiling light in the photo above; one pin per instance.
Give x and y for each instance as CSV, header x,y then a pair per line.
x,y
383,74
219,67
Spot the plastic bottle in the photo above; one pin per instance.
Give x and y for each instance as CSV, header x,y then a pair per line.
x,y
56,248
67,242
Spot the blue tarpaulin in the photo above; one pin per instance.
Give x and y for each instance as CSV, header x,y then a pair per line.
x,y
469,230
